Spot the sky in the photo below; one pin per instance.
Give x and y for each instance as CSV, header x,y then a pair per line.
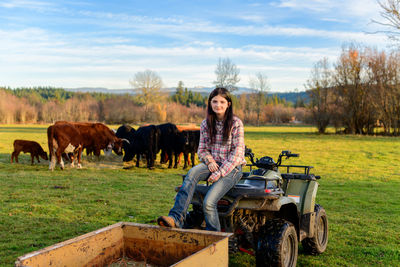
x,y
103,43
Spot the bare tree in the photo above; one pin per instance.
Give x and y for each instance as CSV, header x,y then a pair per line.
x,y
227,74
390,12
260,86
148,84
320,87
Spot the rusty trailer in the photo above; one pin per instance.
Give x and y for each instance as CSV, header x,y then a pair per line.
x,y
148,244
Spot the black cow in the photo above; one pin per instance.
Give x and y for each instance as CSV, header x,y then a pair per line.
x,y
127,133
145,141
168,140
188,142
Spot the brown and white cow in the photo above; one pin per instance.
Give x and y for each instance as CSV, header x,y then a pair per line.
x,y
27,146
96,137
63,138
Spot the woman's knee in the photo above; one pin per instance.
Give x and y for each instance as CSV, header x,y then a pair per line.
x,y
209,205
196,171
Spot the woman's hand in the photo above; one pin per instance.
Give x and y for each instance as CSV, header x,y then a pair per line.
x,y
213,166
214,177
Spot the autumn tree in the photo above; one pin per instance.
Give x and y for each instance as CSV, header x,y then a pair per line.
x,y
395,88
148,85
227,74
352,94
383,73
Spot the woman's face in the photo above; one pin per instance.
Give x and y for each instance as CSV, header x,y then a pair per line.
x,y
219,105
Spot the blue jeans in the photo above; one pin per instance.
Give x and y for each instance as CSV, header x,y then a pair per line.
x,y
217,190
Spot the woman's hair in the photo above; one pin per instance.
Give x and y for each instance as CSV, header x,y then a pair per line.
x,y
212,117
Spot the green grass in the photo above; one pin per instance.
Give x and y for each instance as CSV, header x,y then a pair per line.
x,y
359,190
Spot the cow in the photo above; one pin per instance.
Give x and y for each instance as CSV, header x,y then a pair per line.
x,y
97,136
168,139
145,141
27,146
127,133
63,138
188,143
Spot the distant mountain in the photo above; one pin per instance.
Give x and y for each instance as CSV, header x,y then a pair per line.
x,y
100,90
288,96
293,96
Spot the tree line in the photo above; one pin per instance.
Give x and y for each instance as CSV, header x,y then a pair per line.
x,y
47,105
357,93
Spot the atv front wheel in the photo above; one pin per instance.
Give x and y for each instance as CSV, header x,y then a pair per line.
x,y
317,244
194,219
277,244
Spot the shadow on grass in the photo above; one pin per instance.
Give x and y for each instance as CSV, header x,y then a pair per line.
x,y
23,159
102,162
27,129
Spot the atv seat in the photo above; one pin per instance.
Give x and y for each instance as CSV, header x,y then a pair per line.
x,y
246,191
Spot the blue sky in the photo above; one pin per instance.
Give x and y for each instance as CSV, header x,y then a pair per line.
x,y
81,43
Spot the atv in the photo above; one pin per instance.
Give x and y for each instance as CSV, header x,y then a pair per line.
x,y
269,212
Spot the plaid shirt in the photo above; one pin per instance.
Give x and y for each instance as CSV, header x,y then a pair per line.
x,y
230,154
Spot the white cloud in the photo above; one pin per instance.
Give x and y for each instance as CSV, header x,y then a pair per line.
x,y
335,20
354,8
34,5
313,5
69,63
252,18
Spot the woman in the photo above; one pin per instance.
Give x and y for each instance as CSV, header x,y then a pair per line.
x,y
221,152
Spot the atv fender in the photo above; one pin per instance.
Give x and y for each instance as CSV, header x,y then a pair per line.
x,y
267,203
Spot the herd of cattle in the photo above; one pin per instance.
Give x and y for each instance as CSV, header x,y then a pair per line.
x,y
66,140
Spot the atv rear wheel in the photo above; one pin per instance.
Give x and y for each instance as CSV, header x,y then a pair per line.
x,y
317,244
277,244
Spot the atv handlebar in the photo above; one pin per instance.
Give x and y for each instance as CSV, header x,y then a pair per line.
x,y
267,162
288,154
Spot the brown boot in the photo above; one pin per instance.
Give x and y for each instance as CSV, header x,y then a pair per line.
x,y
166,221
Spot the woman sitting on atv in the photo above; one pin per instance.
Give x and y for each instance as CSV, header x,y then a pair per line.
x,y
221,152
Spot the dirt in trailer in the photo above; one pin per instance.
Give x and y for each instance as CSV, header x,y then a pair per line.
x,y
128,262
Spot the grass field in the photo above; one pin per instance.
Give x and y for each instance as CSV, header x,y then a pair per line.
x,y
359,189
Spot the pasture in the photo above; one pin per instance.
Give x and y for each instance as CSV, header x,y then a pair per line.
x,y
359,189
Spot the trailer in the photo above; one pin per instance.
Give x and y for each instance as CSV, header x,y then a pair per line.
x,y
132,244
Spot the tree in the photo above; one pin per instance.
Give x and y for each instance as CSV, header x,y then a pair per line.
x,y
187,97
260,86
148,84
319,86
383,72
179,96
227,74
390,12
352,92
